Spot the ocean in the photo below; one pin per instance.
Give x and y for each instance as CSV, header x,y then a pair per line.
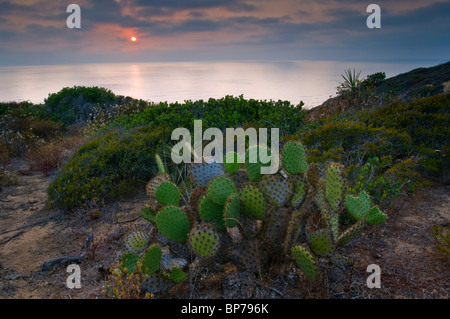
x,y
312,82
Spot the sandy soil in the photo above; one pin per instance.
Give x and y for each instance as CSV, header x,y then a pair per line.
x,y
31,234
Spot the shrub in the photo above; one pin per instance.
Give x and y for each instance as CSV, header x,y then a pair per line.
x,y
107,167
45,158
76,104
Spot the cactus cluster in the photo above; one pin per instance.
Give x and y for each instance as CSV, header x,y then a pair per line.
x,y
238,214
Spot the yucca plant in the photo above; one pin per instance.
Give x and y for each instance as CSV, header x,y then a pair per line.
x,y
351,87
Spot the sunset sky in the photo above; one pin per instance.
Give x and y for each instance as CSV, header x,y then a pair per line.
x,y
34,32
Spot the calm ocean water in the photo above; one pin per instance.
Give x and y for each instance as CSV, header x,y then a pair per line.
x,y
312,82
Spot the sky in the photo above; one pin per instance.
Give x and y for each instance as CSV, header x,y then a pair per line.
x,y
35,32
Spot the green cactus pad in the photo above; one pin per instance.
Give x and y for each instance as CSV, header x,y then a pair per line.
x,y
231,213
128,262
350,233
358,207
335,187
204,241
231,162
321,243
152,260
173,223
177,275
299,193
149,214
252,202
305,261
294,158
220,188
168,194
160,164
203,173
376,216
152,186
276,189
254,169
211,211
136,241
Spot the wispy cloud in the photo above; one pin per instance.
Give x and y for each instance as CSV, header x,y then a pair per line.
x,y
221,29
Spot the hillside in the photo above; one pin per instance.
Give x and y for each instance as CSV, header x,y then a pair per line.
x,y
421,82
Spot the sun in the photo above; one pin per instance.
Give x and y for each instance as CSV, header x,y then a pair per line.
x,y
133,39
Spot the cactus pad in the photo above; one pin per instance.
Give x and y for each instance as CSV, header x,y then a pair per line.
x,y
136,241
231,162
358,207
299,193
160,164
203,173
375,216
321,243
254,169
155,182
340,261
294,158
156,283
335,187
168,194
204,241
252,202
128,262
276,189
211,211
149,214
173,223
350,233
231,212
305,261
220,188
313,174
152,260
177,275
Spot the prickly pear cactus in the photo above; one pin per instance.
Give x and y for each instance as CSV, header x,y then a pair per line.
x,y
220,188
136,241
173,223
254,220
294,158
206,171
231,162
152,260
204,241
252,202
167,194
305,261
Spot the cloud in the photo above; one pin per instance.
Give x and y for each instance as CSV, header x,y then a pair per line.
x,y
236,29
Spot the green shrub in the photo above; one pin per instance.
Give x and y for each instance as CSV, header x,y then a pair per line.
x,y
107,167
76,104
354,142
221,113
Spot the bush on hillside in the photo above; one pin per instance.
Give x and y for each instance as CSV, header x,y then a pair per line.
x,y
109,166
76,104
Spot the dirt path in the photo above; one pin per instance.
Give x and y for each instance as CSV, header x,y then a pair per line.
x,y
31,234
403,247
21,247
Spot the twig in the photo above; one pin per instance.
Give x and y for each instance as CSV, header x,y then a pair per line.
x,y
26,226
12,237
127,221
72,259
